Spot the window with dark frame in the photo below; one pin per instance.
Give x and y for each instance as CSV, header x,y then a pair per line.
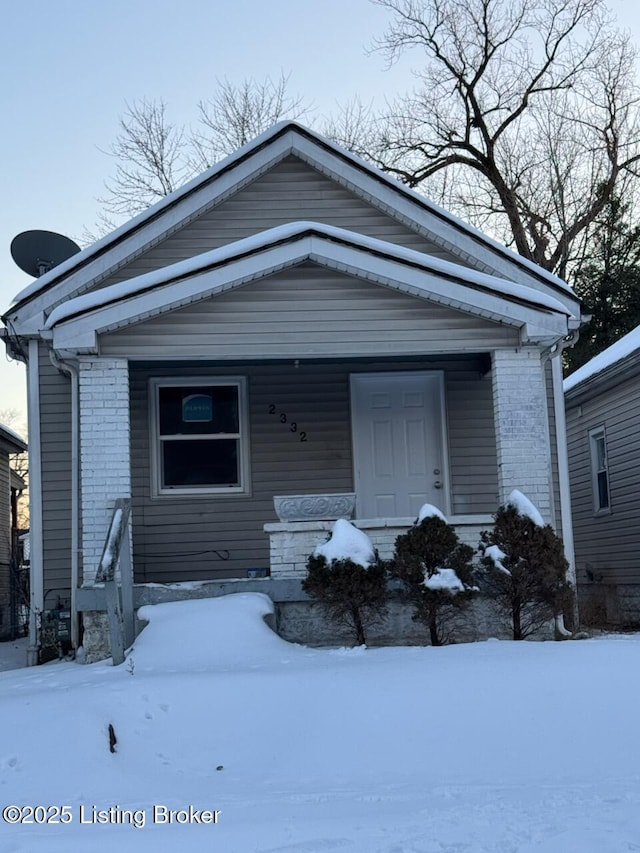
x,y
599,469
199,435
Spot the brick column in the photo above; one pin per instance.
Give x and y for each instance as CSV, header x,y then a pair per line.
x,y
522,427
105,469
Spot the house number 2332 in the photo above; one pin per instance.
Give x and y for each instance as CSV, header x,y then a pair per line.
x,y
293,425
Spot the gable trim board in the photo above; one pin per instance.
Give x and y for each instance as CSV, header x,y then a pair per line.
x,y
76,324
84,270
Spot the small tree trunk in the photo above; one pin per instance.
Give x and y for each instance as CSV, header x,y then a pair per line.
x,y
433,629
357,624
517,625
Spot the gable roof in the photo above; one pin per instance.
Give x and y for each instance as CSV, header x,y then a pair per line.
x,y
76,322
612,364
83,270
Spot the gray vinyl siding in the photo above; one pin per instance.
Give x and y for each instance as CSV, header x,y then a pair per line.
x,y
290,192
55,439
308,310
608,544
472,442
169,532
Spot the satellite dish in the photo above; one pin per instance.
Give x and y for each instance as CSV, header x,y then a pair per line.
x,y
37,252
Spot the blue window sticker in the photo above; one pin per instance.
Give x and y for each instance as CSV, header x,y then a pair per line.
x,y
197,408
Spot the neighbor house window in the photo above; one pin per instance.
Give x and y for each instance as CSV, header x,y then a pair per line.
x,y
199,435
599,469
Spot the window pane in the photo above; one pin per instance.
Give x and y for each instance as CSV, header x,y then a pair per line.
x,y
603,490
200,463
198,409
601,457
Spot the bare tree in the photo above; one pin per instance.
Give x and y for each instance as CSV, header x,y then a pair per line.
x,y
154,156
524,118
150,158
238,113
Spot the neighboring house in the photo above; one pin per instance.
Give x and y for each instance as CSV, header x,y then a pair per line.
x,y
11,485
603,430
291,322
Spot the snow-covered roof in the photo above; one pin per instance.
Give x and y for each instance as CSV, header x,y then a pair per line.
x,y
617,352
9,437
287,137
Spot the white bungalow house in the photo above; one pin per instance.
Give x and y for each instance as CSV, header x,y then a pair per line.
x,y
291,322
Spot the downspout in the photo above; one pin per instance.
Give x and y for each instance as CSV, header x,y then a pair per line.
x,y
36,568
563,467
72,371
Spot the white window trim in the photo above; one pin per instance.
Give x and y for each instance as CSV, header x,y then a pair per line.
x,y
594,435
155,445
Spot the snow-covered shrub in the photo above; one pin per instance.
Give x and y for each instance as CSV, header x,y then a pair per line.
x,y
525,566
436,570
347,578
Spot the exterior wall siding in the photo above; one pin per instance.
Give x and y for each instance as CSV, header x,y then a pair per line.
x,y
291,191
607,544
55,425
209,537
308,311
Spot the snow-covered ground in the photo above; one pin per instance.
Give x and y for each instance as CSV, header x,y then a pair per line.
x,y
493,746
13,654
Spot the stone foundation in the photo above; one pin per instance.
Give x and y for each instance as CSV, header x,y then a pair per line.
x,y
299,620
305,622
95,636
609,605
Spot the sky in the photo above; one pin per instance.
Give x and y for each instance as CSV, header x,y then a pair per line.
x,y
69,69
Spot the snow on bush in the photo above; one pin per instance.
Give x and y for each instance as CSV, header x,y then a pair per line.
x,y
497,555
347,543
429,511
524,507
445,579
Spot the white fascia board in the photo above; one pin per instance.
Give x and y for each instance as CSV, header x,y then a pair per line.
x,y
79,332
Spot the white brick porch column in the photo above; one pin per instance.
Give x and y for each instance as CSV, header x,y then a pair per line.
x,y
522,427
105,469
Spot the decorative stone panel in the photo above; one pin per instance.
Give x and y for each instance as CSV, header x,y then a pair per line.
x,y
310,507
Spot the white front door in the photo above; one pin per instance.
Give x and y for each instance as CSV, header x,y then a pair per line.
x,y
398,443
